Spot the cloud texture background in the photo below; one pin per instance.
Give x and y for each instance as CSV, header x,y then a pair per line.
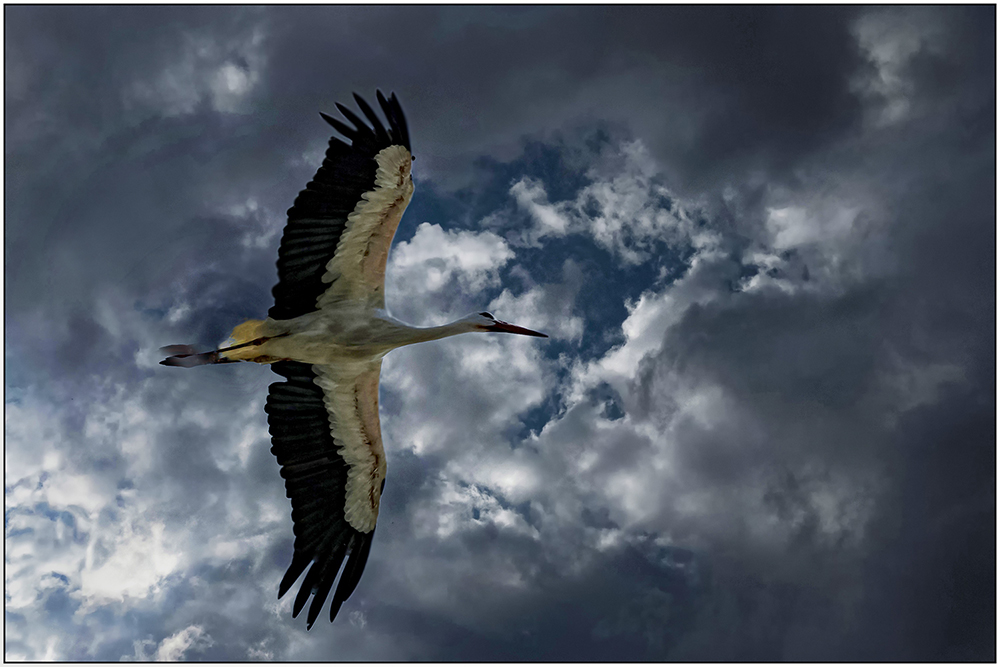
x,y
763,243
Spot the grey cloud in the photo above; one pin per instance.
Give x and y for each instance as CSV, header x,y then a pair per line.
x,y
836,500
808,372
778,79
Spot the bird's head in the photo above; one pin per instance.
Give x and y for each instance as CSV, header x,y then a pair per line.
x,y
486,322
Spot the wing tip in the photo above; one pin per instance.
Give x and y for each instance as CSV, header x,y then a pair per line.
x,y
320,578
397,132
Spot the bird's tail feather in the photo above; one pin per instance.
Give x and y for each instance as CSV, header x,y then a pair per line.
x,y
179,350
243,345
185,357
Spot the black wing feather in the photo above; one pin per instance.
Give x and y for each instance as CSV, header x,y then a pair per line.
x,y
365,133
397,113
373,118
296,568
315,480
319,214
349,132
394,133
325,582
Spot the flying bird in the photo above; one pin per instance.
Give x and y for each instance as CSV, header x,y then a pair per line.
x,y
326,335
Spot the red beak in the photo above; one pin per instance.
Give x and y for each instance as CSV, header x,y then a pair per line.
x,y
514,329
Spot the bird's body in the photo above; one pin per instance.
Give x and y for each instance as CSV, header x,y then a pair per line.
x,y
339,335
326,335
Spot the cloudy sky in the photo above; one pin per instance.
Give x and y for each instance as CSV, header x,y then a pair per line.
x,y
762,242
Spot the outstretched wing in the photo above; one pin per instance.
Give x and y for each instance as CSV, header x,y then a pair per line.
x,y
325,434
341,226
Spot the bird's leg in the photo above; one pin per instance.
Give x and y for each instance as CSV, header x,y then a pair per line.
x,y
256,341
265,359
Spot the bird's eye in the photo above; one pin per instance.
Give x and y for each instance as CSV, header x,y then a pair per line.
x,y
485,314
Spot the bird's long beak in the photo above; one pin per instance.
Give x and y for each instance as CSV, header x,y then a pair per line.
x,y
514,329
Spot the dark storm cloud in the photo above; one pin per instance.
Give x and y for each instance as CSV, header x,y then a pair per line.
x,y
834,500
812,368
718,86
123,163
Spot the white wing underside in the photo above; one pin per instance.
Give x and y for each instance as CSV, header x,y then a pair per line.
x,y
351,400
356,274
357,269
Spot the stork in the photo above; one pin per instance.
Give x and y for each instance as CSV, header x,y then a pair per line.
x,y
326,335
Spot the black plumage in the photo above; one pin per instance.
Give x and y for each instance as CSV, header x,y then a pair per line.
x,y
319,214
315,481
315,474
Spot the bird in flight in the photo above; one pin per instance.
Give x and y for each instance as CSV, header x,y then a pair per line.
x,y
326,335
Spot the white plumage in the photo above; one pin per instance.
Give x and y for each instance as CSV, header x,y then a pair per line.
x,y
326,335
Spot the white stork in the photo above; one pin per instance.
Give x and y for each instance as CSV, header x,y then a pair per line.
x,y
326,335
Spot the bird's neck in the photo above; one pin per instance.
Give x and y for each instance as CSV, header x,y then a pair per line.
x,y
413,335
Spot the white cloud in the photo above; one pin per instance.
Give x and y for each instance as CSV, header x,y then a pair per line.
x,y
174,648
145,515
92,511
643,467
435,262
530,195
459,506
795,226
461,391
131,563
259,652
624,208
824,239
471,256
651,317
106,541
820,245
461,402
545,308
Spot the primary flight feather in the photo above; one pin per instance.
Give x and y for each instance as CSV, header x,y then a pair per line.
x,y
326,335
